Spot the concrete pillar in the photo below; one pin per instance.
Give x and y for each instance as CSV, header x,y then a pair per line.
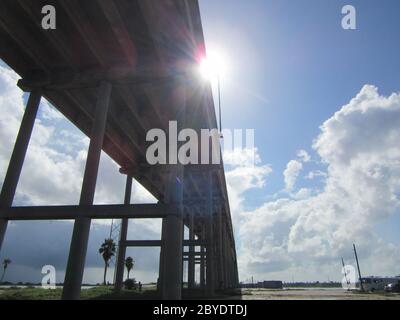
x,y
119,277
216,251
17,158
209,240
172,244
191,266
232,274
220,252
161,271
236,279
228,271
226,258
232,271
202,264
80,235
172,247
230,267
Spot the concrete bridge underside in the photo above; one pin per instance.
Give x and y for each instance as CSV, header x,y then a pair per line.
x,y
116,69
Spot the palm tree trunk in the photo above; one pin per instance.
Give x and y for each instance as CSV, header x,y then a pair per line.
x,y
105,272
128,273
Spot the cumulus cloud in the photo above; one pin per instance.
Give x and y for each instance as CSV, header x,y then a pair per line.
x,y
360,146
291,173
303,155
241,157
314,174
49,112
244,176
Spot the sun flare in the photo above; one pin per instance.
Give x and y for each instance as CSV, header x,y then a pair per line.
x,y
213,66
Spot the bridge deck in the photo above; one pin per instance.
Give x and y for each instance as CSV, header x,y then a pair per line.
x,y
148,50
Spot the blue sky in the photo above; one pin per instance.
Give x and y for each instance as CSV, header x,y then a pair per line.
x,y
298,58
291,67
296,55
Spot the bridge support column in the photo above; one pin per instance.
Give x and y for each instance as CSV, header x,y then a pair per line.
x,y
191,265
17,158
172,249
235,272
172,245
230,270
161,272
119,277
80,235
222,257
209,240
221,281
202,265
226,259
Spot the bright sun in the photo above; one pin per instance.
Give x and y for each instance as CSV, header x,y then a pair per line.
x,y
213,66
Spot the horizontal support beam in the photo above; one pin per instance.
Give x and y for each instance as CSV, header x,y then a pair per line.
x,y
114,211
141,243
196,201
196,254
158,243
166,168
196,260
194,243
117,76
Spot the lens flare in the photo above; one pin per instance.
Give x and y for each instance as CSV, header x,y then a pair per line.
x,y
213,66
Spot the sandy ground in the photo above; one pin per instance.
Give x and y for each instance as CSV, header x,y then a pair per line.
x,y
247,294
313,294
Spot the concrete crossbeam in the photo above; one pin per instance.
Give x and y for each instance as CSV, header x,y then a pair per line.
x,y
114,211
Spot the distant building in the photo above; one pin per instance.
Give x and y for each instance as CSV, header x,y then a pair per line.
x,y
272,284
373,283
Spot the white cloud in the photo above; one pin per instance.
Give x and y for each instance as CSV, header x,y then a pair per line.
x,y
316,173
291,173
303,155
307,236
303,193
242,157
49,112
11,113
247,175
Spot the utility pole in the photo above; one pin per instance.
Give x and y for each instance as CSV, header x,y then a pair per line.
x,y
358,267
219,105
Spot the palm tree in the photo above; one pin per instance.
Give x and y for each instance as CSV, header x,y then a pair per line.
x,y
6,262
107,250
129,263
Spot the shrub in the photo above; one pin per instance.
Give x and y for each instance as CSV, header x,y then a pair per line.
x,y
130,284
